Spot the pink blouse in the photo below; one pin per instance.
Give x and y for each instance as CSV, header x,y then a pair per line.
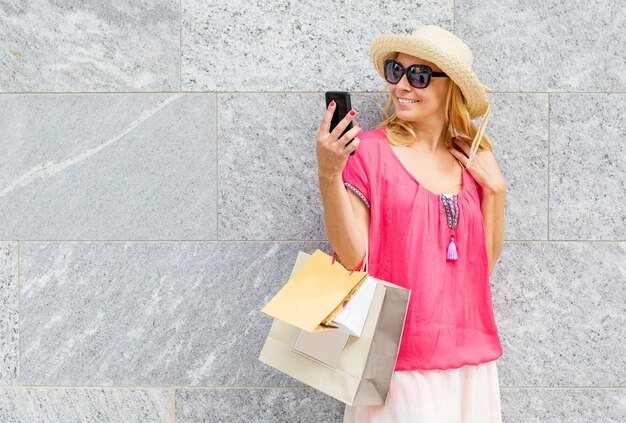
x,y
450,321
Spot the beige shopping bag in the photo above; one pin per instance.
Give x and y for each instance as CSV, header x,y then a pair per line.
x,y
356,371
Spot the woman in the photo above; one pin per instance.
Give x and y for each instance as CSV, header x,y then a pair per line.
x,y
422,206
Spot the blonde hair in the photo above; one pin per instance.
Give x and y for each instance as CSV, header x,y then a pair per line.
x,y
401,133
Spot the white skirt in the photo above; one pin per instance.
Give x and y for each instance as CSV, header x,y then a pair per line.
x,y
468,394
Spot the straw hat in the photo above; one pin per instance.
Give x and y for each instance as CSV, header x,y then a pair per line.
x,y
450,53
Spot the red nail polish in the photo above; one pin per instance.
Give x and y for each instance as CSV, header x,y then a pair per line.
x,y
332,103
352,112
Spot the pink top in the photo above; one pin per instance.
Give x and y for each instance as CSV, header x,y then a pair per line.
x,y
450,321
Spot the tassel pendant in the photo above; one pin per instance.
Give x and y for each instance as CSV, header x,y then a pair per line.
x,y
451,206
452,255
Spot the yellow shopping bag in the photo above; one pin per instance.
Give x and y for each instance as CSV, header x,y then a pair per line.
x,y
315,294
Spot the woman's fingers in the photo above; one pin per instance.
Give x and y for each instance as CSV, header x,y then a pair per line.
x,y
352,146
342,125
331,149
463,144
345,139
327,119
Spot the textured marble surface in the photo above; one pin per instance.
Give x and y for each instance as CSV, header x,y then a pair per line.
x,y
517,127
559,308
142,313
158,177
571,405
108,167
86,405
268,167
293,46
89,46
546,46
9,314
587,166
258,405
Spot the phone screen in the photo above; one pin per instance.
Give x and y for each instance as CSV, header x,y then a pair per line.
x,y
344,105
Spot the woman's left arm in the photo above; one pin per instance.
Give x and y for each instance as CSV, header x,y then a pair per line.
x,y
492,208
488,175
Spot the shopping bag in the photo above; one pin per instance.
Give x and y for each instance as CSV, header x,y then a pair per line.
x,y
351,319
355,371
315,293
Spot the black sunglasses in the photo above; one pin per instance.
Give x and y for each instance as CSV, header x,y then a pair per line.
x,y
418,75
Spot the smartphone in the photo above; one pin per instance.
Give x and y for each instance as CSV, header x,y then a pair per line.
x,y
344,105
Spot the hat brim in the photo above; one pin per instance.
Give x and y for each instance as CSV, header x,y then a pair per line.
x,y
385,46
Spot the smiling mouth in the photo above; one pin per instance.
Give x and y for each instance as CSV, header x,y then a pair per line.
x,y
401,101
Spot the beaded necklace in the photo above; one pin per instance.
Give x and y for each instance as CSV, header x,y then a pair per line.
x,y
451,205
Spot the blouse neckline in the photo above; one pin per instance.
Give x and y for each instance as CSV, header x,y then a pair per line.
x,y
397,159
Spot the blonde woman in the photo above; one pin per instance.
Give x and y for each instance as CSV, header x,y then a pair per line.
x,y
421,204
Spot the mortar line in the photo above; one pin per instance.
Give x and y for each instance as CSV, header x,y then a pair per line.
x,y
548,187
552,241
454,16
217,170
279,92
222,387
19,319
180,46
174,404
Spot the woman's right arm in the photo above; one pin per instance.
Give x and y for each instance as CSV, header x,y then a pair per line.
x,y
346,221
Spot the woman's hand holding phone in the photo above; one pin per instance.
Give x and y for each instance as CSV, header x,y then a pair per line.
x,y
332,152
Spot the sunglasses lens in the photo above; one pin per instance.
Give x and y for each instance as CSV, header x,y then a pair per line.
x,y
393,72
418,77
